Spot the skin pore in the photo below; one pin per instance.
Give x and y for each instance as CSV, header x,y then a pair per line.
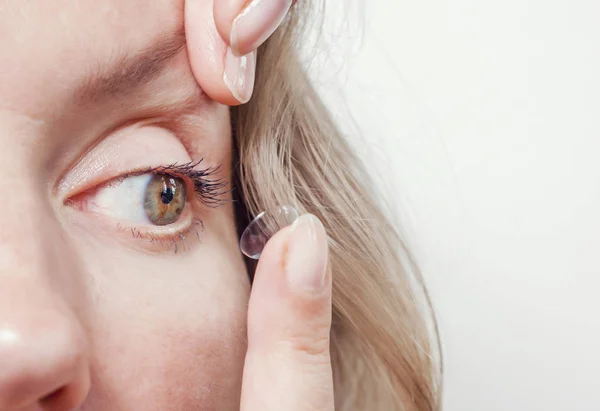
x,y
107,306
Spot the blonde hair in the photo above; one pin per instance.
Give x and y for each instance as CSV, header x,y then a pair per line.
x,y
384,341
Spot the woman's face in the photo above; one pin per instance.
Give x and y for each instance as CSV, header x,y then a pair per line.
x,y
121,283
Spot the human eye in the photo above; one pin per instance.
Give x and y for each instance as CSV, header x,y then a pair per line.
x,y
157,199
161,204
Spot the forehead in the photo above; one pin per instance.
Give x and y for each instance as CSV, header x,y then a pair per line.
x,y
47,46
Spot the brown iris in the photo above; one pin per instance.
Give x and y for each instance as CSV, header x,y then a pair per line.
x,y
164,199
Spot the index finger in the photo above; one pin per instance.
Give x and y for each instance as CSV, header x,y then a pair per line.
x,y
288,364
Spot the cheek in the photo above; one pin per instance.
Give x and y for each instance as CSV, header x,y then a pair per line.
x,y
173,341
200,363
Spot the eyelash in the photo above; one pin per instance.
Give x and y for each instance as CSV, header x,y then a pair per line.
x,y
208,190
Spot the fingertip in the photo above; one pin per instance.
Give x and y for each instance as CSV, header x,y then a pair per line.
x,y
225,11
307,255
300,255
273,256
256,23
207,53
239,74
292,278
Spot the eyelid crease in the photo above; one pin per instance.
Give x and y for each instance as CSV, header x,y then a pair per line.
x,y
132,145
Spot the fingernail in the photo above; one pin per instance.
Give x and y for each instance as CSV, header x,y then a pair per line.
x,y
256,22
307,253
239,74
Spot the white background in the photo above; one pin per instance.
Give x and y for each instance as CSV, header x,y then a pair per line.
x,y
484,118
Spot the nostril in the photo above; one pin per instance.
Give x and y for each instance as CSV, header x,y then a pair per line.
x,y
56,400
52,398
46,366
68,396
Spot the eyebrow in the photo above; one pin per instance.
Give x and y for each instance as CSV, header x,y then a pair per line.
x,y
130,72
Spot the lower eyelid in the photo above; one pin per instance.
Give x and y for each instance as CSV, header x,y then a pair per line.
x,y
177,237
176,241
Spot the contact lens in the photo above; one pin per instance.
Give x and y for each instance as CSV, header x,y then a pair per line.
x,y
263,227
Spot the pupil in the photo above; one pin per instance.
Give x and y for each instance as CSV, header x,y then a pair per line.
x,y
167,195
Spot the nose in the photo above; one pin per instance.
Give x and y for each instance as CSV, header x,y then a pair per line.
x,y
43,362
43,349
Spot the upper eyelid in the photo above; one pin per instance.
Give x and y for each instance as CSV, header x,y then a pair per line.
x,y
126,150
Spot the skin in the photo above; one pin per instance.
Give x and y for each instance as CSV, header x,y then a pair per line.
x,y
209,26
99,312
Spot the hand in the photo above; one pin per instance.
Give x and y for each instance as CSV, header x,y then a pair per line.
x,y
288,365
222,38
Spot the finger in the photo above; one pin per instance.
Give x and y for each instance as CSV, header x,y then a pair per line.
x,y
224,77
246,24
288,365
